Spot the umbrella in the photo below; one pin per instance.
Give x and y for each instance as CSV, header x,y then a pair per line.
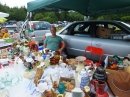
x,y
2,20
3,14
85,7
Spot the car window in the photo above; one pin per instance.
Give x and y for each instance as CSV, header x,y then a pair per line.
x,y
109,31
11,28
41,26
67,30
81,29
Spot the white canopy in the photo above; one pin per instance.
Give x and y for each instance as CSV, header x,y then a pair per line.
x,y
2,14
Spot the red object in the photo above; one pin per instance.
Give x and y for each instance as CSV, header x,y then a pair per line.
x,y
99,87
33,36
33,46
6,31
61,44
0,66
95,51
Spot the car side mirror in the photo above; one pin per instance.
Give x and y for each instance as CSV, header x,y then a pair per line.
x,y
126,37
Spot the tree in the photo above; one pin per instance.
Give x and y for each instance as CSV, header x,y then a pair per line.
x,y
126,18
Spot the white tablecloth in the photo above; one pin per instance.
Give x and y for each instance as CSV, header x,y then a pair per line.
x,y
25,87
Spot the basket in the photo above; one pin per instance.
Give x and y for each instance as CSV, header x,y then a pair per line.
x,y
9,40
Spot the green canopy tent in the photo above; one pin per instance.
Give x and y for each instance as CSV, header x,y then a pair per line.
x,y
85,7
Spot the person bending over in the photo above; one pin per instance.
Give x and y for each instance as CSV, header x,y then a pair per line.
x,y
53,41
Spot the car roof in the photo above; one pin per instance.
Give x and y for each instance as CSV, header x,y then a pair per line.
x,y
113,21
37,21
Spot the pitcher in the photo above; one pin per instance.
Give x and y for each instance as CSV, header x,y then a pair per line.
x,y
99,87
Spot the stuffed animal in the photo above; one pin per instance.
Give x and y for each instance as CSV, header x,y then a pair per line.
x,y
126,62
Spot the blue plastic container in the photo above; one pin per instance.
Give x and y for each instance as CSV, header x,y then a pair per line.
x,y
44,56
40,48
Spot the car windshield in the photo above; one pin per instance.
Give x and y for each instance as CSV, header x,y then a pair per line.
x,y
126,24
11,28
41,26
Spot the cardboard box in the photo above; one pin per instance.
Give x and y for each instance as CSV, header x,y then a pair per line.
x,y
103,32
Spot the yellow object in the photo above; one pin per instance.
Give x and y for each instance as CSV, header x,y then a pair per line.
x,y
5,35
60,95
127,69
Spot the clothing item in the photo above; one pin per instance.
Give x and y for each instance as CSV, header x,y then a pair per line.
x,y
53,42
119,83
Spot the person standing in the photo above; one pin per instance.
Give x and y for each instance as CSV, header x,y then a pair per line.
x,y
53,41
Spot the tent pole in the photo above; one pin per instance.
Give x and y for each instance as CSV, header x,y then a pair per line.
x,y
23,25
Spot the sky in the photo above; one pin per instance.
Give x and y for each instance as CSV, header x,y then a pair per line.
x,y
15,3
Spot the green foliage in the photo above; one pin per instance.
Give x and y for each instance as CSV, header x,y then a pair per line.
x,y
53,17
100,18
125,18
15,13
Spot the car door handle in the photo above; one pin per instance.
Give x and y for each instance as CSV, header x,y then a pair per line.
x,y
98,44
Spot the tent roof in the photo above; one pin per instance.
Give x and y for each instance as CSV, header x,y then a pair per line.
x,y
2,14
85,7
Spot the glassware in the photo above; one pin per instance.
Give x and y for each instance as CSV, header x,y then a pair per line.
x,y
61,88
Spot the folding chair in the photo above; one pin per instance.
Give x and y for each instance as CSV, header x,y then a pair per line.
x,y
95,51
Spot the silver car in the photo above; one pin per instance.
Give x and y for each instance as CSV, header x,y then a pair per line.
x,y
37,30
112,36
12,28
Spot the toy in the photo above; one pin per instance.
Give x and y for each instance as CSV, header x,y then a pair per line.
x,y
33,46
125,62
115,62
4,33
